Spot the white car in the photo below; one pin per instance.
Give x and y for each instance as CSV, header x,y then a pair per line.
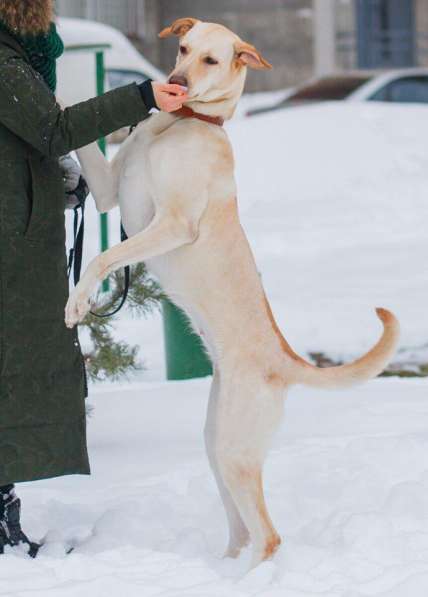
x,y
400,86
77,80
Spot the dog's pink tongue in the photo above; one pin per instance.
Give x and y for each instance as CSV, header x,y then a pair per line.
x,y
178,80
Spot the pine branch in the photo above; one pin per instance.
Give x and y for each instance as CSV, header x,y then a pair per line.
x,y
108,358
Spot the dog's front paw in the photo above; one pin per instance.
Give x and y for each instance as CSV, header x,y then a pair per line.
x,y
77,307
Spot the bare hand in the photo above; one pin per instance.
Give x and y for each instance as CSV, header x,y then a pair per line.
x,y
169,97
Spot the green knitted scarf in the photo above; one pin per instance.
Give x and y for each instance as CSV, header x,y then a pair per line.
x,y
42,49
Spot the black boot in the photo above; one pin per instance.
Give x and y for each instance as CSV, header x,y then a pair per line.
x,y
10,522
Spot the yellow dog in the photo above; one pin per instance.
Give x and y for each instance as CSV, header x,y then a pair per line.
x,y
174,182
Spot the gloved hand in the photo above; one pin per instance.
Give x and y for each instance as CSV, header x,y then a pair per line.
x,y
76,188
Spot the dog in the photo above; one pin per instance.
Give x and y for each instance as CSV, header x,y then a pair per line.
x,y
174,181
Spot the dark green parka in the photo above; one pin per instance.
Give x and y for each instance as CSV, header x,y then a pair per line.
x,y
42,412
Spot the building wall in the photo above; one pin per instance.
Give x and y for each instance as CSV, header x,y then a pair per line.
x,y
128,16
77,8
421,23
346,42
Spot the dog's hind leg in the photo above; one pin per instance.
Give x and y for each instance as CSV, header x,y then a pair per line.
x,y
246,486
246,420
239,536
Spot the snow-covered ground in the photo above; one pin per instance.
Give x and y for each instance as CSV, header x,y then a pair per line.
x,y
261,99
334,200
346,482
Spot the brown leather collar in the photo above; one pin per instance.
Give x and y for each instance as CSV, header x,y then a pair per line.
x,y
186,112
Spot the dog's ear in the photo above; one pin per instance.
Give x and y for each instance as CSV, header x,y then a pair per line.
x,y
248,55
179,27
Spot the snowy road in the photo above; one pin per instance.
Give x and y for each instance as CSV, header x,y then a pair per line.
x,y
346,479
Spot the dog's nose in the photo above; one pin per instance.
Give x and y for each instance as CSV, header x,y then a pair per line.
x,y
178,80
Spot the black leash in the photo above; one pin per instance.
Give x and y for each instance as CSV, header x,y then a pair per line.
x,y
76,255
76,252
127,282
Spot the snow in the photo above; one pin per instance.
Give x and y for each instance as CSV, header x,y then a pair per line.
x,y
260,99
334,202
346,482
337,216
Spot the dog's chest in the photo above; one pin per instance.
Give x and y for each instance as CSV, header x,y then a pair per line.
x,y
135,188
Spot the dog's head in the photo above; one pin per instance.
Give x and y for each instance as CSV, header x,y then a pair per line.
x,y
212,62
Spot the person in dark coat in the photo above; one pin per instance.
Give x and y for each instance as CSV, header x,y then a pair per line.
x,y
42,378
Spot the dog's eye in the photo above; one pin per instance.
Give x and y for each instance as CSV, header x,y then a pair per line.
x,y
209,60
183,50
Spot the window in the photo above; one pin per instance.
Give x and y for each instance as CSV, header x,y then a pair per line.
x,y
404,90
119,78
328,88
386,33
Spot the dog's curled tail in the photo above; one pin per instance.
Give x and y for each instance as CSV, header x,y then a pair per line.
x,y
366,367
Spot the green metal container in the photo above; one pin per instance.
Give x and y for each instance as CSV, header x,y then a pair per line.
x,y
185,355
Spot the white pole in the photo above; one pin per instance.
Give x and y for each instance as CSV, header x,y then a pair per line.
x,y
324,37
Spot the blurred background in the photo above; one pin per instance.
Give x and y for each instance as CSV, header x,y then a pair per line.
x,y
301,38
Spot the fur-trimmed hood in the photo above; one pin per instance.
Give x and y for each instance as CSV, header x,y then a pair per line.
x,y
27,16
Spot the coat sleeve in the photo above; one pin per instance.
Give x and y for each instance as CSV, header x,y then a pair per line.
x,y
30,111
